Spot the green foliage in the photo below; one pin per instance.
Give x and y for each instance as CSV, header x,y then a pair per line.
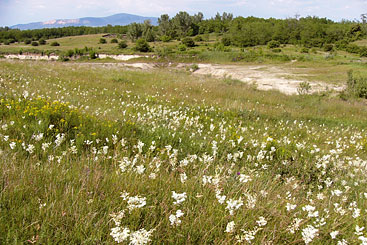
x,y
122,44
194,67
92,54
363,52
188,41
54,44
198,39
226,41
181,47
102,41
273,44
276,50
142,45
304,88
305,50
135,31
357,85
114,40
148,32
328,47
165,38
27,41
352,48
42,41
34,43
69,53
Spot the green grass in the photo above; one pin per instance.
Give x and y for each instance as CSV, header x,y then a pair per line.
x,y
140,131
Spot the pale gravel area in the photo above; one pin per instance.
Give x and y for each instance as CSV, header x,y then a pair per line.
x,y
264,77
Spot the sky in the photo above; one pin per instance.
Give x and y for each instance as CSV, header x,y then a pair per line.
x,y
24,11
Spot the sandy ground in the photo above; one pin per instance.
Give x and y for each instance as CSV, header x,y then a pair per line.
x,y
264,77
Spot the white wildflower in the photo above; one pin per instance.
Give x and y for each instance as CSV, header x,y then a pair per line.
x,y
179,197
334,234
175,218
309,233
262,221
140,237
230,227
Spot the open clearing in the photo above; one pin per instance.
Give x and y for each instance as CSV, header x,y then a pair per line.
x,y
264,77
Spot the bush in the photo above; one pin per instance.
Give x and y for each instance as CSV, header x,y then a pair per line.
x,y
352,48
102,41
328,47
273,44
276,50
226,41
27,41
181,47
304,50
142,45
92,54
363,52
34,43
198,39
55,44
42,41
188,41
122,44
165,38
70,53
63,58
114,40
357,85
304,88
6,42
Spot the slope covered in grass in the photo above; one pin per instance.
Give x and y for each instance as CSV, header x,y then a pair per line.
x,y
99,155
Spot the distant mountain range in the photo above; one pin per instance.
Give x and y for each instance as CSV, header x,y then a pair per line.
x,y
117,19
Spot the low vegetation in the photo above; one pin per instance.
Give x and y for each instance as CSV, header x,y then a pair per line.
x,y
96,155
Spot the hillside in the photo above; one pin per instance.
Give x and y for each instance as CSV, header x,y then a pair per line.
x,y
117,19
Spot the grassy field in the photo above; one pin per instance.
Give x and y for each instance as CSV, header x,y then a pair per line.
x,y
314,66
97,155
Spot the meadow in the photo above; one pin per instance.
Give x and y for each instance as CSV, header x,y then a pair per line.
x,y
102,155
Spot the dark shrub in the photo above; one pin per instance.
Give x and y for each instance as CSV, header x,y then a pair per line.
x,y
226,41
122,44
142,45
188,42
42,41
273,44
328,47
55,44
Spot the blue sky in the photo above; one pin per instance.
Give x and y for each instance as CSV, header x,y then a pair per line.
x,y
24,11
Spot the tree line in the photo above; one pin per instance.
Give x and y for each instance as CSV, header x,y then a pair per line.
x,y
236,31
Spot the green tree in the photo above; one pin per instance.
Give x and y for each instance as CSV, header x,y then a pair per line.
x,y
135,31
182,22
148,32
142,45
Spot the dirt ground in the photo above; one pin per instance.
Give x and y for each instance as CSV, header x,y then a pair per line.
x,y
264,77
